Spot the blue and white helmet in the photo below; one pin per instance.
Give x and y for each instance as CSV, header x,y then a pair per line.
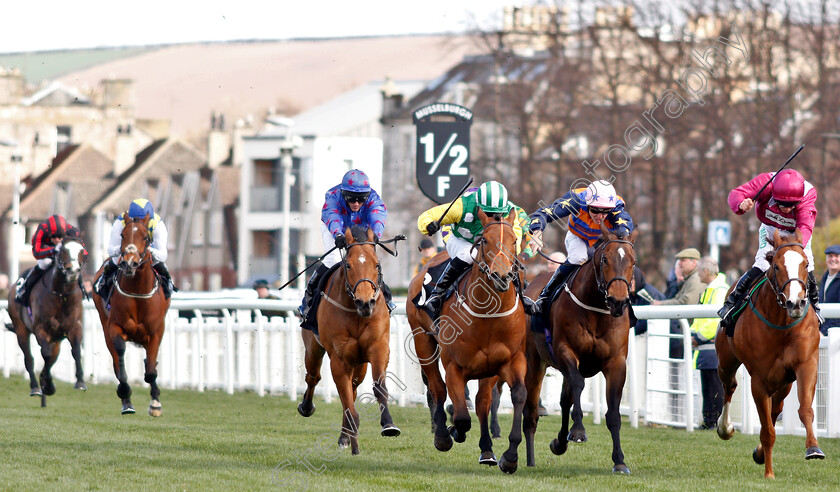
x,y
140,208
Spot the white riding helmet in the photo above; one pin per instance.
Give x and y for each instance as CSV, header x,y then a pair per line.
x,y
601,194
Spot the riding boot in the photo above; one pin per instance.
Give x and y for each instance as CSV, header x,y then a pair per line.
x,y
454,270
386,291
726,319
527,303
168,285
314,280
558,279
814,295
105,281
22,295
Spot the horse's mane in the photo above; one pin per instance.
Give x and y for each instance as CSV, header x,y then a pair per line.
x,y
359,233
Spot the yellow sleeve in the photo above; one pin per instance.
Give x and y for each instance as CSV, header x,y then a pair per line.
x,y
452,217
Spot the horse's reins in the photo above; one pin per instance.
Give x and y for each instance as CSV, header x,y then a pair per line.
x,y
485,269
145,257
377,285
60,266
779,294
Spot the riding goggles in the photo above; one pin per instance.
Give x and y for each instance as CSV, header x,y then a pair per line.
x,y
787,204
600,211
355,197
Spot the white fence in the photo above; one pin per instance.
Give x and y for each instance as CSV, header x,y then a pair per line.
x,y
242,350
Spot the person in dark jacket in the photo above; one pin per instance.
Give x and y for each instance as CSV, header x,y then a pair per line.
x,y
642,294
830,284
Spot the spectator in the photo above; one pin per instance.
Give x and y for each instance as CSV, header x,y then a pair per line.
x,y
703,332
642,294
4,286
427,252
261,286
830,290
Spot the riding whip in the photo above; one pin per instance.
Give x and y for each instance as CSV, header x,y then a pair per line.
x,y
453,202
307,268
780,170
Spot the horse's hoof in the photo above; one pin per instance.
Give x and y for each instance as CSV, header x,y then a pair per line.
x,y
306,412
507,466
459,438
557,446
727,433
758,459
390,430
343,442
577,437
43,401
127,408
621,469
495,431
443,443
343,445
487,458
814,453
155,409
35,392
80,385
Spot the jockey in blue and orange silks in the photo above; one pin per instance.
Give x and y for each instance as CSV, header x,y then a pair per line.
x,y
787,203
351,203
588,207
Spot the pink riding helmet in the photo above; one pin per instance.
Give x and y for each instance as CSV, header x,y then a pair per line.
x,y
788,186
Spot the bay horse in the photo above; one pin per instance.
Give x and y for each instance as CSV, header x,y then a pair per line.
x,y
589,324
56,314
136,310
480,334
777,339
354,328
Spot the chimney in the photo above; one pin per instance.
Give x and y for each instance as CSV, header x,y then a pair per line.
x,y
125,148
11,87
392,99
118,93
218,141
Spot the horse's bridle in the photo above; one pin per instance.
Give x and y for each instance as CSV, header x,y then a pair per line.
x,y
779,291
602,285
377,285
145,255
481,241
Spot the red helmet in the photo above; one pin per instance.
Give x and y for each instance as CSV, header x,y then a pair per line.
x,y
788,186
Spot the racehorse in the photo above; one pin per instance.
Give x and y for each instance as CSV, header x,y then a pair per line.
x,y
56,314
136,310
589,325
354,327
777,340
480,334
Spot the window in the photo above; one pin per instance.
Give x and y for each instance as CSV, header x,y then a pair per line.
x,y
63,137
215,228
197,227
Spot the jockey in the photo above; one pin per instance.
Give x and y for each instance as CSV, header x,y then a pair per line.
x,y
139,208
786,204
491,197
45,244
351,203
589,207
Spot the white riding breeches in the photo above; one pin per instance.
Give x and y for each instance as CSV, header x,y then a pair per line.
x,y
577,250
460,248
44,263
765,247
329,242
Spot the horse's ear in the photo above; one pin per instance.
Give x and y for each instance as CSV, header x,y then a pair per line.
x,y
798,235
370,235
481,215
776,238
125,216
348,235
511,216
632,236
605,231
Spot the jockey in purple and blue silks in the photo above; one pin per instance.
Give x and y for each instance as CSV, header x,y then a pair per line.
x,y
786,204
352,203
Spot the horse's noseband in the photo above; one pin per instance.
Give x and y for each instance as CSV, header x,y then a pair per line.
x,y
516,265
603,286
377,285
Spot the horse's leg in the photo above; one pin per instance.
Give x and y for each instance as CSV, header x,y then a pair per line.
x,y
427,351
514,373
558,446
569,367
123,389
615,372
763,453
806,385
49,351
150,376
342,375
28,362
728,365
530,413
495,429
461,421
312,362
483,402
75,339
379,363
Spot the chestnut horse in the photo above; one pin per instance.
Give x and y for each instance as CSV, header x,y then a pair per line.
x,y
354,328
56,314
480,334
589,324
777,340
136,310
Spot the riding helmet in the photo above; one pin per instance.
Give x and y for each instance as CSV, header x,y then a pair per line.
x,y
493,198
140,208
788,186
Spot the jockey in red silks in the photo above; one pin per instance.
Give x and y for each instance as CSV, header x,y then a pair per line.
x,y
786,204
45,244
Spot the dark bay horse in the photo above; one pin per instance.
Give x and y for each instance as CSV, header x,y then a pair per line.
x,y
777,339
589,323
354,328
56,302
136,311
480,334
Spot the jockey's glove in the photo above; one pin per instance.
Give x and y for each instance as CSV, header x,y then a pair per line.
x,y
432,228
340,242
